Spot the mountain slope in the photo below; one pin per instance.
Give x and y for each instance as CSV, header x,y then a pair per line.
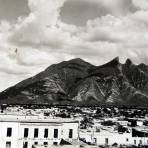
x,y
78,82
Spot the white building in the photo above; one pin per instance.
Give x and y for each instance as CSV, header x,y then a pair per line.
x,y
108,137
26,131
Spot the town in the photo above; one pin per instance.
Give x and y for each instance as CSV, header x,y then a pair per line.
x,y
39,126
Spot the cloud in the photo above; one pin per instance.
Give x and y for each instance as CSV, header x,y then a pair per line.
x,y
39,28
12,10
79,11
142,4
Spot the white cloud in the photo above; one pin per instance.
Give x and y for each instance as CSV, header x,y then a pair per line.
x,y
142,4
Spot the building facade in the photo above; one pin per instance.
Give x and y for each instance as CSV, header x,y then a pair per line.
x,y
105,137
24,132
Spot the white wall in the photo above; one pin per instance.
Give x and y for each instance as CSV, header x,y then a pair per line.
x,y
3,134
66,127
113,138
17,139
41,127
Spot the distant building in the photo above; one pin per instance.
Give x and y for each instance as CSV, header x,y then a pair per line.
x,y
122,122
139,123
108,137
26,131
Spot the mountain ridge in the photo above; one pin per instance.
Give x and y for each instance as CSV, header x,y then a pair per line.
x,y
79,82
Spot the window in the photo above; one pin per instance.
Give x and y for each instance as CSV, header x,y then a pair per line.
x,y
9,132
25,132
35,143
106,141
70,133
55,133
126,139
36,131
46,133
8,144
45,143
25,145
55,143
95,140
135,142
140,141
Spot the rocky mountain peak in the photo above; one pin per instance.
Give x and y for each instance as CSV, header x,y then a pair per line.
x,y
128,62
77,82
113,63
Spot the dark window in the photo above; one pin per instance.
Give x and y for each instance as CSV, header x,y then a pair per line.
x,y
46,133
140,141
25,145
127,139
95,140
36,131
8,144
45,143
70,133
55,133
9,132
134,141
35,143
25,132
106,141
55,143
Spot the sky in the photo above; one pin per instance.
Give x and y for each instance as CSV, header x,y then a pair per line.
x,y
37,33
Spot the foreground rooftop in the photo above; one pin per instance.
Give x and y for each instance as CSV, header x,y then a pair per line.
x,y
33,119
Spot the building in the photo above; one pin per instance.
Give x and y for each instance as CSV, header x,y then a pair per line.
x,y
26,131
110,137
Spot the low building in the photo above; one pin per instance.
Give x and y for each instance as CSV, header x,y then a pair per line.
x,y
122,122
26,131
108,137
63,146
139,123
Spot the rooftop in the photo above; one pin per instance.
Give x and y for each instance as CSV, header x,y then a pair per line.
x,y
33,119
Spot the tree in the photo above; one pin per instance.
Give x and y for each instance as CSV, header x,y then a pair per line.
x,y
86,122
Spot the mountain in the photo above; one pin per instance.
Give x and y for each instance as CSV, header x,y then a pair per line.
x,y
77,82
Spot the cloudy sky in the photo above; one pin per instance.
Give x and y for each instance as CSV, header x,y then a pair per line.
x,y
37,33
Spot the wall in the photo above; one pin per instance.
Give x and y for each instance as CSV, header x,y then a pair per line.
x,y
99,138
40,139
3,134
17,139
66,127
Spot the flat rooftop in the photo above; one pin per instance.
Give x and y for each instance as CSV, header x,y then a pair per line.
x,y
33,119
